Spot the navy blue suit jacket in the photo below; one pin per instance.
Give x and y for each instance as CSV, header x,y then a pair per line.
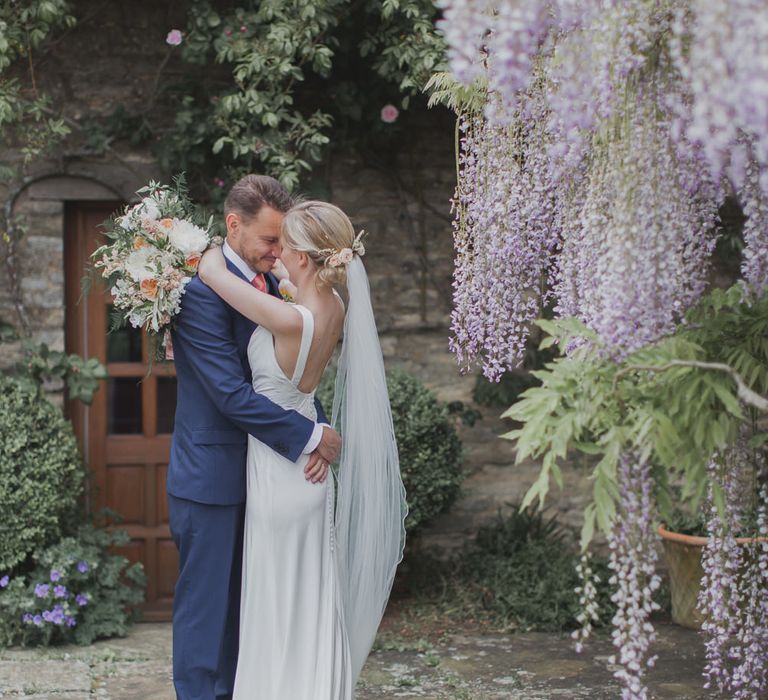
x,y
216,405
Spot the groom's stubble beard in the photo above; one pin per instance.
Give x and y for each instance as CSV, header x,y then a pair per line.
x,y
257,239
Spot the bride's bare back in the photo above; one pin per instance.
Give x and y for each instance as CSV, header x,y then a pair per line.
x,y
328,313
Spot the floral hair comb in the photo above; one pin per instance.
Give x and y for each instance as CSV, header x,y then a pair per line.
x,y
334,258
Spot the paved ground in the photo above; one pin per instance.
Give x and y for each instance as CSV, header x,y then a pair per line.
x,y
457,666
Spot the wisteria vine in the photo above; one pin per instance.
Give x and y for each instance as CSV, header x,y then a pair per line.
x,y
633,561
734,589
625,116
591,181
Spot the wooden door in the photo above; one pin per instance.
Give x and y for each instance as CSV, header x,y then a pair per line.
x,y
125,435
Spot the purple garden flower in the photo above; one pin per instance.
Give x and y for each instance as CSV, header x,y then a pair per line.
x,y
4,581
57,615
71,621
37,620
60,592
81,599
82,566
55,575
41,590
27,618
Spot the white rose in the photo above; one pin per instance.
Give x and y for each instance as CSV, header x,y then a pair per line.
x,y
149,209
187,238
136,264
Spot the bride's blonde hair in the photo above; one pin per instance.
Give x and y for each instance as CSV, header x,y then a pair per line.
x,y
321,230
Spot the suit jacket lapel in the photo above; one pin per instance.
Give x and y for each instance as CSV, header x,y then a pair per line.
x,y
272,285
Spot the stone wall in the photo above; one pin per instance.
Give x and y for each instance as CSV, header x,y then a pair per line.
x,y
404,205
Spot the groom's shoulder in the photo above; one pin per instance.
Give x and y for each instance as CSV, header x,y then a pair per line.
x,y
197,292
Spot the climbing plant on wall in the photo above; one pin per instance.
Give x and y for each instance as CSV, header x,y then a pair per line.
x,y
279,81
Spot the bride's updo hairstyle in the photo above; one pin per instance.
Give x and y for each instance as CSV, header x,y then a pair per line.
x,y
325,234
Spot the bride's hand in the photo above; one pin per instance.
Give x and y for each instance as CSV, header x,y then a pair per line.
x,y
279,271
212,261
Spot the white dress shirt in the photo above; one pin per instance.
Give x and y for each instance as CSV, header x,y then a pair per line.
x,y
249,274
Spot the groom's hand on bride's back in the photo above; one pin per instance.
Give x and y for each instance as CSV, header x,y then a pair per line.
x,y
329,445
316,469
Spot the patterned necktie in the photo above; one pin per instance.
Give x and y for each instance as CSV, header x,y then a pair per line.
x,y
259,282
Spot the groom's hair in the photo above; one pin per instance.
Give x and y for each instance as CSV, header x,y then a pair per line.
x,y
252,192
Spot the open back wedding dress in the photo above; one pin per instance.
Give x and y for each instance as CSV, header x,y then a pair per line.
x,y
293,638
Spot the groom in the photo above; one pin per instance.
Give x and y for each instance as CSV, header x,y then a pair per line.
x,y
216,410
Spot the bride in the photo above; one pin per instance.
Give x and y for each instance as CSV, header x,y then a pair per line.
x,y
317,566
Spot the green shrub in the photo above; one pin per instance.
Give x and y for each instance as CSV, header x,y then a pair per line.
x,y
429,447
522,569
519,573
77,592
41,477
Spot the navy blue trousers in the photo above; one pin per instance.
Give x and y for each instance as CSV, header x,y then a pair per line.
x,y
206,603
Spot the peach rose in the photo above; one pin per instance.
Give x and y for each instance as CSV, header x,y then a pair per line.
x,y
193,260
139,242
166,223
148,288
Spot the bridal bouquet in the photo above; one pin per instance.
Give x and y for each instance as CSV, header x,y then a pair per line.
x,y
153,253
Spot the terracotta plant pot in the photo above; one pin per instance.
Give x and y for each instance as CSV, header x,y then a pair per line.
x,y
683,553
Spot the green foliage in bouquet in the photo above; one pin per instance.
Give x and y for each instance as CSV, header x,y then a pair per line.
x,y
427,442
77,592
677,401
41,477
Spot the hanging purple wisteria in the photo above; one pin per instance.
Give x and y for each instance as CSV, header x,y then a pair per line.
x,y
611,133
592,106
734,589
503,238
633,561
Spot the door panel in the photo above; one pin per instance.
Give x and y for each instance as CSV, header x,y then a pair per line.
x,y
125,434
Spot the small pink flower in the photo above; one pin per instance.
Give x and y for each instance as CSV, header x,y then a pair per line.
x,y
389,114
345,256
174,37
334,261
219,182
228,32
243,28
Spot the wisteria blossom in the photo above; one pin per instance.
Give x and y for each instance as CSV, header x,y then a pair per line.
x,y
589,613
611,134
734,596
754,201
605,105
633,561
502,238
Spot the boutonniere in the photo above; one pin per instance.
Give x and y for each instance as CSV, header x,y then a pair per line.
x,y
287,290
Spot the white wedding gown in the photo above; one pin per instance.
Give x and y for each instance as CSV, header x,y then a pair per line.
x,y
293,639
